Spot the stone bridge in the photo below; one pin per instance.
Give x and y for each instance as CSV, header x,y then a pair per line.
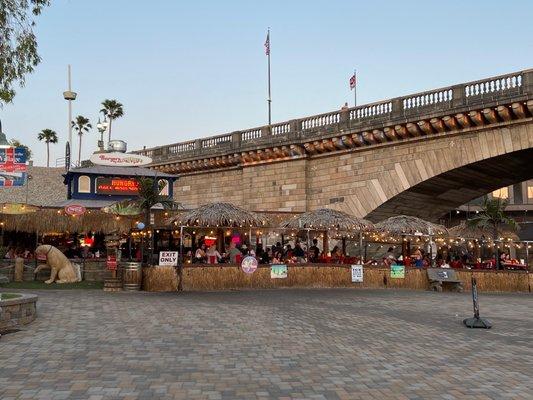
x,y
421,154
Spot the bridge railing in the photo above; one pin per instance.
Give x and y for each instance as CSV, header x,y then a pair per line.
x,y
463,95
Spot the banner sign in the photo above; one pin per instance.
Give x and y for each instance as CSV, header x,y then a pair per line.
x,y
67,156
357,273
475,298
13,169
75,210
397,271
111,263
120,159
278,271
249,265
168,258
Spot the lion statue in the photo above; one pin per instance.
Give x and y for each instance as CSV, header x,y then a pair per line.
x,y
62,268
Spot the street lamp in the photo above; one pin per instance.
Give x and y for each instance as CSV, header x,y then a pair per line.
x,y
101,126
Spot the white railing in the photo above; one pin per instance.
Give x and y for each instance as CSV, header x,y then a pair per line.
x,y
321,120
251,134
371,110
180,147
427,99
493,85
281,129
215,141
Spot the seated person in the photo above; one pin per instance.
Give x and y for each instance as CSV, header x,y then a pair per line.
x,y
212,254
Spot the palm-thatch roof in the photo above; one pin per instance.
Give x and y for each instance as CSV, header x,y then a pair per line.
x,y
54,220
221,215
409,225
327,219
464,230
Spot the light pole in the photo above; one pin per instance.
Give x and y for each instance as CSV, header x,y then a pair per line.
x,y
69,96
101,126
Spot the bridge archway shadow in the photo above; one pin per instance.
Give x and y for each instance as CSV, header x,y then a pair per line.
x,y
436,196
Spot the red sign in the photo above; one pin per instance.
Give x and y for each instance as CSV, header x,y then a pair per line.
x,y
75,209
111,263
12,166
117,186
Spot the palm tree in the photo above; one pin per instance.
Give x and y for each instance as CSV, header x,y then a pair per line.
x,y
81,125
112,109
492,218
49,136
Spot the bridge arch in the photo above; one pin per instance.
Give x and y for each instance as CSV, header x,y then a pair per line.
x,y
429,178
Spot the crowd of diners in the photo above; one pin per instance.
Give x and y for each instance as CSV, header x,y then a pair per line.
x,y
298,253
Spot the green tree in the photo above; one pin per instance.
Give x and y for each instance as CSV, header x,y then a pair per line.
x,y
48,136
493,219
112,109
81,125
16,143
18,43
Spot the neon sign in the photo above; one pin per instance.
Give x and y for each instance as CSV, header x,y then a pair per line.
x,y
117,186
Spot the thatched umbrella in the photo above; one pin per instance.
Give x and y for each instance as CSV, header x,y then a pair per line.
x,y
219,215
464,230
326,219
408,225
222,215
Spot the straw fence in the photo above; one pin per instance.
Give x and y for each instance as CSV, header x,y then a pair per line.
x,y
228,277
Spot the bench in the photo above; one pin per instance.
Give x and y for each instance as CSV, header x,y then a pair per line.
x,y
439,276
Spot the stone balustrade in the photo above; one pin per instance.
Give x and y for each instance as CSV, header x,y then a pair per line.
x,y
373,120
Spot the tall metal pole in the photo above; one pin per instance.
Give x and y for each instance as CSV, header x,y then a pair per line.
x,y
355,89
69,109
269,91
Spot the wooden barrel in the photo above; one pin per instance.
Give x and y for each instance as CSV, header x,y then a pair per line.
x,y
112,285
132,275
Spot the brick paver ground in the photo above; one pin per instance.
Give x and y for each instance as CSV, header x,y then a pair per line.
x,y
284,344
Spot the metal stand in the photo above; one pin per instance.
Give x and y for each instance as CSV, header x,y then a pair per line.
x,y
476,321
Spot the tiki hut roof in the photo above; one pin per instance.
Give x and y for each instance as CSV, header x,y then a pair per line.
x,y
49,220
327,219
45,188
409,225
464,230
221,215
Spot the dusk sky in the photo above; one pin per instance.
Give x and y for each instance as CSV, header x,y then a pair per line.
x,y
185,70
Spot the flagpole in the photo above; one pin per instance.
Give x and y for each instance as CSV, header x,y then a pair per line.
x,y
269,92
355,88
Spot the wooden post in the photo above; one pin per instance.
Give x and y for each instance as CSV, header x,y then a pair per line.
x,y
19,269
325,243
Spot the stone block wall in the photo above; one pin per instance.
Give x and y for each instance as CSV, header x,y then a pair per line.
x,y
17,312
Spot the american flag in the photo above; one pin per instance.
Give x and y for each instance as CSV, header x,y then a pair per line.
x,y
267,44
352,82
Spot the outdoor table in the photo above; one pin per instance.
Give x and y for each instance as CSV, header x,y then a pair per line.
x,y
515,266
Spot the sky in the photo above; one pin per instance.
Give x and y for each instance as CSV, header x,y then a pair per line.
x,y
185,70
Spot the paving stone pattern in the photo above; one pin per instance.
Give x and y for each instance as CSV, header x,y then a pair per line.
x,y
282,344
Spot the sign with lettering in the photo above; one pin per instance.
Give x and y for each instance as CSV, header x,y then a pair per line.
x,y
120,159
117,186
75,209
111,263
13,170
397,271
168,258
357,273
278,271
249,265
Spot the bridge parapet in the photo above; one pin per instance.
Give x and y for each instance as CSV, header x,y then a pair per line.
x,y
373,120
